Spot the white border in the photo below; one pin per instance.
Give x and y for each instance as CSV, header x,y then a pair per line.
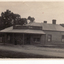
x,y
28,0
34,60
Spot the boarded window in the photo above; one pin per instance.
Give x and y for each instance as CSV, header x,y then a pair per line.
x,y
49,38
62,38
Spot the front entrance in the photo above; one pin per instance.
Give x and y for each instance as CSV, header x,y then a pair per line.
x,y
22,39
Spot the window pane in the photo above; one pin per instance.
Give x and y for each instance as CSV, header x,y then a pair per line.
x,y
62,40
0,39
62,36
49,37
36,39
49,40
8,37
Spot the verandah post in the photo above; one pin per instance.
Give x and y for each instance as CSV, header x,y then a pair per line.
x,y
5,38
13,38
23,39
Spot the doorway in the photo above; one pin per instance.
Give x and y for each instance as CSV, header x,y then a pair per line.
x,y
28,37
28,40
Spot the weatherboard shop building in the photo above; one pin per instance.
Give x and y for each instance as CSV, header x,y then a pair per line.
x,y
33,33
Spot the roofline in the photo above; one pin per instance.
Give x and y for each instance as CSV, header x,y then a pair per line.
x,y
21,33
53,30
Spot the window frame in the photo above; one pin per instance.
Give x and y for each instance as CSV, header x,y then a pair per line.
x,y
49,38
1,39
62,38
36,39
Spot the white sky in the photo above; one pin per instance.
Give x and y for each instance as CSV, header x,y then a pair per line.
x,y
39,10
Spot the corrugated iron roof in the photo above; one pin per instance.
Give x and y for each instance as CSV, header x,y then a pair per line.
x,y
54,27
46,26
11,30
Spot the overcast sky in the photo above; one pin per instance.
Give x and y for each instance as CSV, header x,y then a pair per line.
x,y
39,10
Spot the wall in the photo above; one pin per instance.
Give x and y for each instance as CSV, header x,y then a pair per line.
x,y
42,39
56,37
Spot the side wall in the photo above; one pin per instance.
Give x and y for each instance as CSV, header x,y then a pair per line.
x,y
41,42
56,37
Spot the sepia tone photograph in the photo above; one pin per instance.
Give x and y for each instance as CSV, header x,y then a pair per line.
x,y
32,29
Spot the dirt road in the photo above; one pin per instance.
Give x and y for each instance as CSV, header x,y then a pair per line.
x,y
56,52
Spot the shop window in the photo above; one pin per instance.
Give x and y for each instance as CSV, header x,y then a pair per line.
x,y
62,38
36,39
8,37
49,38
0,39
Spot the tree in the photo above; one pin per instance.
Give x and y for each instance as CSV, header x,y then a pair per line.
x,y
8,18
1,24
31,18
23,21
16,18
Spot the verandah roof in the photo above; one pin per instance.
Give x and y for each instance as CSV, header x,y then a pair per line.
x,y
11,30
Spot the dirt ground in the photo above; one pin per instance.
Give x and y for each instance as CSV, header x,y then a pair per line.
x,y
11,54
29,51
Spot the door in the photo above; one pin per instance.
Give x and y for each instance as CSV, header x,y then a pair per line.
x,y
28,40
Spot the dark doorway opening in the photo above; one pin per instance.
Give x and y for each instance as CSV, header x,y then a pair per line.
x,y
15,42
28,39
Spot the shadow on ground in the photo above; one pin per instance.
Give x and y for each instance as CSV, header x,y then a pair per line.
x,y
11,54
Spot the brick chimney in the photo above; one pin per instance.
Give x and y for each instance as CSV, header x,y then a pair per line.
x,y
45,21
53,21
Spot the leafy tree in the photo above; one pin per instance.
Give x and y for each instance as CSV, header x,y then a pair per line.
x,y
23,21
31,18
9,18
6,18
16,18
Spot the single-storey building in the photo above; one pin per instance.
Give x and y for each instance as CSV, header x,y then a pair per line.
x,y
33,33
